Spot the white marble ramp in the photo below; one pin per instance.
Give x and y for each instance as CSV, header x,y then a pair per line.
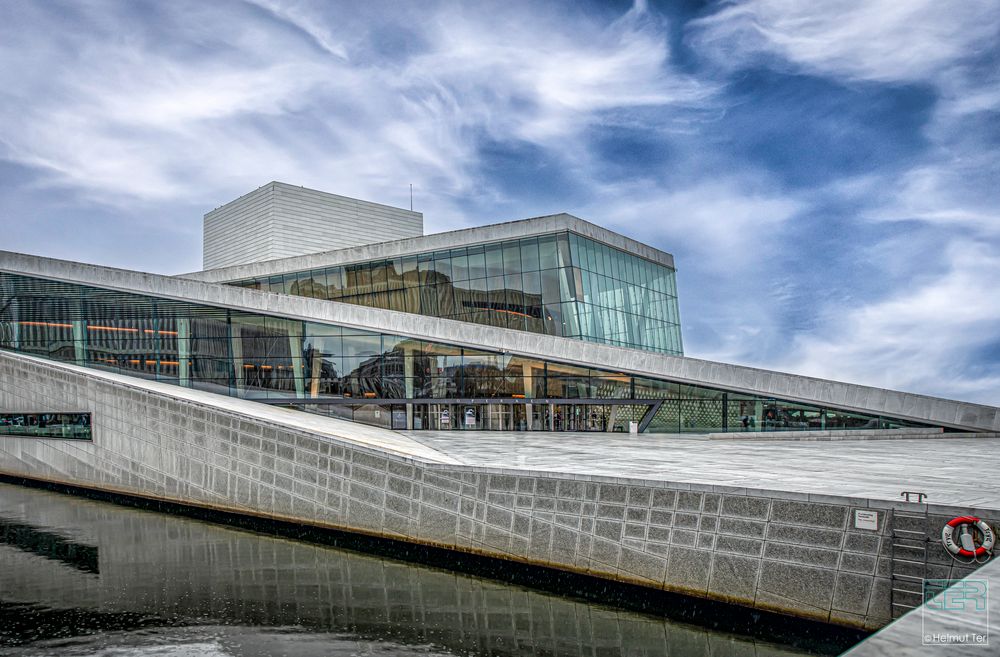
x,y
352,432
944,468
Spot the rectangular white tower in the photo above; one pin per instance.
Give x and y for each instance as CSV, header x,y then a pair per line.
x,y
280,220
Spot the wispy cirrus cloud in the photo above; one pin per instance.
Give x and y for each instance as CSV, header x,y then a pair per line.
x,y
921,314
875,40
145,120
938,336
726,228
824,173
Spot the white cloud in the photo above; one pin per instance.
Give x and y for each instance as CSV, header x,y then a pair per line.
x,y
209,100
725,233
920,337
121,119
719,222
948,192
303,16
879,40
142,117
544,81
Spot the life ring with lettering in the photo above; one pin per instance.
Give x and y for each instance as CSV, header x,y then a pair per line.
x,y
966,546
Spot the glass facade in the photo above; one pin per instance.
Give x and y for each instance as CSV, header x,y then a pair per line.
x,y
72,426
379,378
558,284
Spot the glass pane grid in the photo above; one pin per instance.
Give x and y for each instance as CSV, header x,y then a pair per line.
x,y
560,284
269,358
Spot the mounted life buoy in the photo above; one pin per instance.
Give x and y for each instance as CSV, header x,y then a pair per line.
x,y
966,545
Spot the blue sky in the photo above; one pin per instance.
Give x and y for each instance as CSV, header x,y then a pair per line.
x,y
827,175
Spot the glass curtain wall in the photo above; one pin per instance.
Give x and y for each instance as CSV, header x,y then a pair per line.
x,y
623,299
560,284
282,360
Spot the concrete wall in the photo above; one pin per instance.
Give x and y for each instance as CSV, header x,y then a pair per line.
x,y
280,220
792,387
786,552
239,231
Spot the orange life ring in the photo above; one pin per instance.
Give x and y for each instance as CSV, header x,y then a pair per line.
x,y
985,547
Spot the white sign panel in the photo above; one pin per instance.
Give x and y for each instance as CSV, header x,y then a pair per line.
x,y
866,519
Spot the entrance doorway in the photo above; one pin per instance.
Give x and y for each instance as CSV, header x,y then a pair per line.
x,y
581,417
507,417
514,416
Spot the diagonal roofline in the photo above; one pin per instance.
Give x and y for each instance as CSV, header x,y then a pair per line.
x,y
276,184
737,378
436,241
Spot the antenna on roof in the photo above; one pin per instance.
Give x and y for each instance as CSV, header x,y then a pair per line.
x,y
411,197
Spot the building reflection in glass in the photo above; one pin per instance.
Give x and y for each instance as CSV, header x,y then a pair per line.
x,y
559,284
377,378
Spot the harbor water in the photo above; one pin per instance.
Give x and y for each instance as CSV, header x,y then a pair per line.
x,y
84,577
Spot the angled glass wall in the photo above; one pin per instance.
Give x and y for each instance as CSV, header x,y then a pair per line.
x,y
558,284
378,378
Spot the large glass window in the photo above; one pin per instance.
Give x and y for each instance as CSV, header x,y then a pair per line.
x,y
288,361
560,284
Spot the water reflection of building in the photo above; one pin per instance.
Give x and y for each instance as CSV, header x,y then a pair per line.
x,y
79,557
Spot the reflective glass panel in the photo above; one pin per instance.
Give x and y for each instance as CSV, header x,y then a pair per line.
x,y
277,359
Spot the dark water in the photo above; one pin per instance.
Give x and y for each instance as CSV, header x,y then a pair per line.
x,y
83,577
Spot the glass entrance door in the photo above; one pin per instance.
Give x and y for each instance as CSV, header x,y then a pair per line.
x,y
500,417
473,416
581,417
540,417
519,417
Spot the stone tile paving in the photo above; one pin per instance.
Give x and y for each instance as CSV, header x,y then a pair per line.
x,y
948,469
